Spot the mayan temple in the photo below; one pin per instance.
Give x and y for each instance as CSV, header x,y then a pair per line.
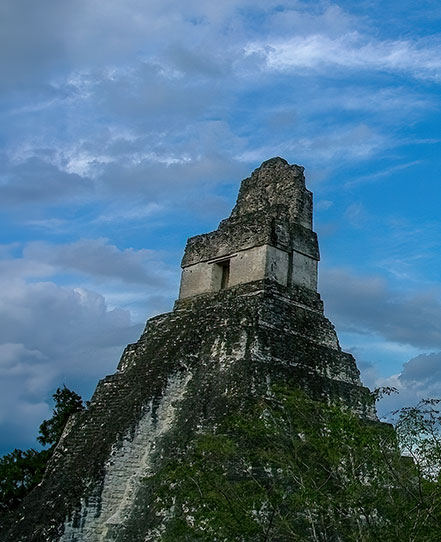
x,y
248,318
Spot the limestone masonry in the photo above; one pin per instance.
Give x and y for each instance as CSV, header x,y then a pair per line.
x,y
248,317
268,236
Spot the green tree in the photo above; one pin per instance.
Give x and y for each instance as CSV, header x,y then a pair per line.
x,y
21,471
419,433
67,402
289,468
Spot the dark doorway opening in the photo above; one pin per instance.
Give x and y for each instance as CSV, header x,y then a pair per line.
x,y
225,265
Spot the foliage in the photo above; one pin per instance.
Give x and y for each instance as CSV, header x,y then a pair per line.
x,y
21,471
283,468
67,402
419,433
289,468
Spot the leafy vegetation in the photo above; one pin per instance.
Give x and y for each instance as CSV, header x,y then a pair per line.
x,y
289,468
66,402
283,468
20,471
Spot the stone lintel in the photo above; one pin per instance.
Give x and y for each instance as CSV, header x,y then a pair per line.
x,y
232,237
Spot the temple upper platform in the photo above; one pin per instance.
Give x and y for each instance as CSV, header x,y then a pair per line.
x,y
267,236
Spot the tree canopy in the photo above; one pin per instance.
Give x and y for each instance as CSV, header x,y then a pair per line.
x,y
66,402
290,468
21,471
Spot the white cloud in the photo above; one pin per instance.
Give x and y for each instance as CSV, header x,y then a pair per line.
x,y
128,212
367,304
323,205
167,102
36,180
420,378
378,175
93,258
38,39
52,335
356,215
347,143
353,51
98,258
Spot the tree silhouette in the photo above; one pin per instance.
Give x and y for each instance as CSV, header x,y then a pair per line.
x,y
21,471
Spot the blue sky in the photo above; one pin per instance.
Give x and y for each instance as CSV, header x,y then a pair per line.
x,y
126,126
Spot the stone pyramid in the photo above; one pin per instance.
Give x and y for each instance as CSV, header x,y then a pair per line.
x,y
248,317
